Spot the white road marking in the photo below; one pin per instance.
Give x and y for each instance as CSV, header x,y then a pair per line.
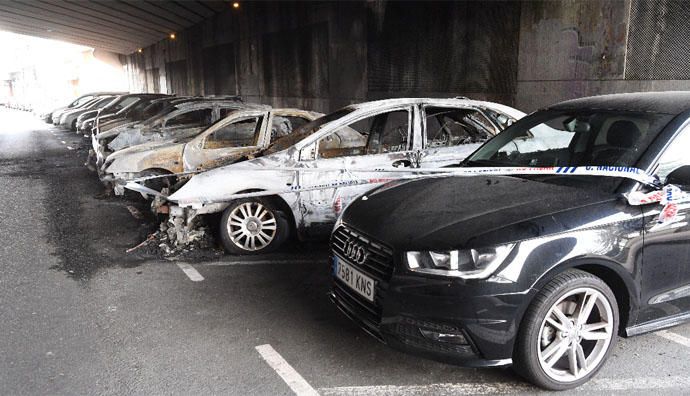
x,y
674,337
285,371
596,385
63,142
70,148
258,262
191,272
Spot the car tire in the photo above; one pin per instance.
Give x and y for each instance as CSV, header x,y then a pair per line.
x,y
253,226
553,349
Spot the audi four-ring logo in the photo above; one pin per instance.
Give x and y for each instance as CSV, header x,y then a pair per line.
x,y
355,252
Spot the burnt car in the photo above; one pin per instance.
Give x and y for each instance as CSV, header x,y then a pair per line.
x,y
68,119
141,111
543,272
87,120
381,135
231,139
179,119
54,115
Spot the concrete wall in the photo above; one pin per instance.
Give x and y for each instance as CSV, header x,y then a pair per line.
x,y
570,49
322,55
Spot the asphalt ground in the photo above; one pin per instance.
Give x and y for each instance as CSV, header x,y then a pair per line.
x,y
78,315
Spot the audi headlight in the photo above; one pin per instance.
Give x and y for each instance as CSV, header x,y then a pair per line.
x,y
467,264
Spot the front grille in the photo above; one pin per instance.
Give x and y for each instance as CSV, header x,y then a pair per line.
x,y
378,265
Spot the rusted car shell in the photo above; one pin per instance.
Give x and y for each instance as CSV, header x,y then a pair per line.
x,y
188,154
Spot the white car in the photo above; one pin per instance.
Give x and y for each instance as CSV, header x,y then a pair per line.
x,y
385,135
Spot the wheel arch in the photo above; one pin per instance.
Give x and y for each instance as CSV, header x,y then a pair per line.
x,y
158,169
278,201
615,277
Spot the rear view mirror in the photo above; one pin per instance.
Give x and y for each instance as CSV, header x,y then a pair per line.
x,y
680,177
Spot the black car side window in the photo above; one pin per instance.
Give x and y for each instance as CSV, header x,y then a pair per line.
x,y
676,154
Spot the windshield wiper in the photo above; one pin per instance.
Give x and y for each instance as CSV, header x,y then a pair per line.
x,y
477,163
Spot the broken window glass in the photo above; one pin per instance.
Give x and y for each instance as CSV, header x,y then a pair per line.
x,y
237,134
382,133
447,127
191,118
284,125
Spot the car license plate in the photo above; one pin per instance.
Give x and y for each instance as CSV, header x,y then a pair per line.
x,y
357,281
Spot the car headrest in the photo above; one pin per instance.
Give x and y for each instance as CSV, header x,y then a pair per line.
x,y
623,134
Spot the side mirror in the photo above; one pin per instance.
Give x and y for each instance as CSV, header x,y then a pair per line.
x,y
680,177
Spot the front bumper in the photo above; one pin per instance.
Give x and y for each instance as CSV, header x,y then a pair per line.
x,y
478,321
100,151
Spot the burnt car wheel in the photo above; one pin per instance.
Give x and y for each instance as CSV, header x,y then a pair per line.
x,y
568,331
252,226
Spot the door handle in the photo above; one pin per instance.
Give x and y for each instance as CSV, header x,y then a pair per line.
x,y
402,164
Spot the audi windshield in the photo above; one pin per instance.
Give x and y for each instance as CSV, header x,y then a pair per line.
x,y
572,138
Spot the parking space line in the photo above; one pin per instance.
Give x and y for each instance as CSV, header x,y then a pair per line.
x,y
191,272
600,385
674,337
432,389
257,262
291,377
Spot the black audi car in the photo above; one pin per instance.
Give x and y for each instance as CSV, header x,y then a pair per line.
x,y
539,271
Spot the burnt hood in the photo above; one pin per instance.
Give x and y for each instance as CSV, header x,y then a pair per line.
x,y
458,212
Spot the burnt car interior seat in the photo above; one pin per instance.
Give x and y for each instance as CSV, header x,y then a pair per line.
x,y
620,139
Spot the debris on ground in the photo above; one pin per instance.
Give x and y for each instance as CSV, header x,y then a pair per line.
x,y
135,212
175,239
150,238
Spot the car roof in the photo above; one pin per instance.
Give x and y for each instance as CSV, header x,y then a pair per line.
x,y
457,101
669,102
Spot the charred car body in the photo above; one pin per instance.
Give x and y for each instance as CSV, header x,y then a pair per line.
x,y
178,119
387,134
121,103
540,271
68,119
238,135
141,111
54,116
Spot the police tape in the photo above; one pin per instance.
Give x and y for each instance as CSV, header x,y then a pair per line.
x,y
670,196
610,171
409,174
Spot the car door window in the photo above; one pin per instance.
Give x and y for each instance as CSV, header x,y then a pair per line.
x,y
448,127
191,118
126,102
226,111
236,134
381,133
675,156
284,125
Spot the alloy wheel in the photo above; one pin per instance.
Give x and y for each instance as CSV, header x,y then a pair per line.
x,y
251,226
575,335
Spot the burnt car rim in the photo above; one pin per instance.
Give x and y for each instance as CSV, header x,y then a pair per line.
x,y
575,335
251,226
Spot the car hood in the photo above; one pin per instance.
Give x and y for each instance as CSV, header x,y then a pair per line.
x,y
456,212
118,130
151,147
217,184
